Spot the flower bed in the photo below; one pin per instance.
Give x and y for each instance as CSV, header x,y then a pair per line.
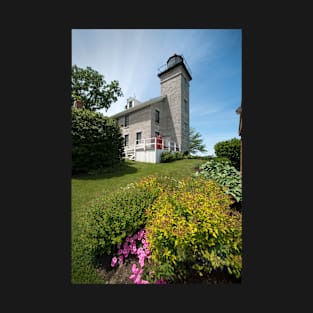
x,y
184,230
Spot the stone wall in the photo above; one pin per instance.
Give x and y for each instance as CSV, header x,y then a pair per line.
x,y
139,121
175,85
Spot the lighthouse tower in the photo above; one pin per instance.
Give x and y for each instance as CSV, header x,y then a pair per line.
x,y
174,81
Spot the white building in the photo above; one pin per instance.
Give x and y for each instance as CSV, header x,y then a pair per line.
x,y
166,116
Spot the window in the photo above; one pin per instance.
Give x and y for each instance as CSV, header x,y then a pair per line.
x,y
157,116
126,120
138,138
130,104
126,140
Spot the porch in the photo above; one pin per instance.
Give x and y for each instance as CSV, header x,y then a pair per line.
x,y
150,149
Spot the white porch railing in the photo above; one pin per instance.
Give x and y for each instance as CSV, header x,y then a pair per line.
x,y
153,143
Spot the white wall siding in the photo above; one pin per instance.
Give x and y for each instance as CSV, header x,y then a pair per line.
x,y
153,156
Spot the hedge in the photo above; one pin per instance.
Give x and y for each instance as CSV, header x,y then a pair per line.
x,y
96,141
229,149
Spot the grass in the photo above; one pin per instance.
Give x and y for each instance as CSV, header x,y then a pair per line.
x,y
88,187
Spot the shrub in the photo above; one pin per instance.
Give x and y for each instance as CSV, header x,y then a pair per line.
x,y
96,141
222,160
193,228
227,176
179,156
203,157
167,156
229,149
115,216
199,157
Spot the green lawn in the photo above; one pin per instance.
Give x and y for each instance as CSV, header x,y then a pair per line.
x,y
86,188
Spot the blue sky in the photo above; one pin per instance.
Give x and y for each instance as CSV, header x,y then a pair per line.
x,y
133,56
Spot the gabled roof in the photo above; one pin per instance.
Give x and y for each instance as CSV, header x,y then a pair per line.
x,y
139,106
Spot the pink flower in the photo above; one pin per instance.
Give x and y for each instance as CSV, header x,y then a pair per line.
x,y
133,249
144,282
113,262
140,251
120,251
161,281
136,276
134,268
120,260
141,262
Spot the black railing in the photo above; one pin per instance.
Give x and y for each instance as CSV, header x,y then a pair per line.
x,y
164,67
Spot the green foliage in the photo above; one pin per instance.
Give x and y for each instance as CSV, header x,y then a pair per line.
x,y
229,149
115,216
96,141
222,160
179,156
169,156
226,175
199,157
84,191
189,225
195,142
193,227
89,86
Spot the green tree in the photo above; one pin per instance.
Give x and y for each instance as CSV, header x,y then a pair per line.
x,y
195,142
89,86
229,149
96,141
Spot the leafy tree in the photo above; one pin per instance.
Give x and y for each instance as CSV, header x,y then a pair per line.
x,y
195,142
229,149
89,86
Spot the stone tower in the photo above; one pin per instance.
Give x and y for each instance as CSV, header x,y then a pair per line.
x,y
174,80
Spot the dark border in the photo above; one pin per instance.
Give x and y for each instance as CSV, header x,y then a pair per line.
x,y
199,293
43,156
